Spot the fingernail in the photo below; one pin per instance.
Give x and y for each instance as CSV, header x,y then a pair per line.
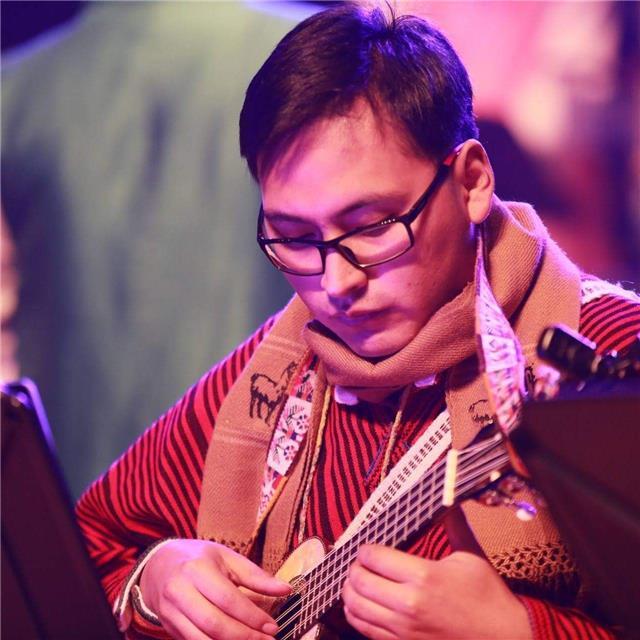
x,y
270,628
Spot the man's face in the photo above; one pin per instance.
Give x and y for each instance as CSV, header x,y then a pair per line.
x,y
350,171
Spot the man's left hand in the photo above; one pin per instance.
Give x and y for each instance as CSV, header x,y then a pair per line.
x,y
390,594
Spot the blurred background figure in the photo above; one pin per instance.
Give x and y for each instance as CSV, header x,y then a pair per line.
x,y
9,369
131,210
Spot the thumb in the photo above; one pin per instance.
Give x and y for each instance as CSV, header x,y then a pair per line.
x,y
245,573
459,532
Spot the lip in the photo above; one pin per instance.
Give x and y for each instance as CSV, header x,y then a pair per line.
x,y
355,317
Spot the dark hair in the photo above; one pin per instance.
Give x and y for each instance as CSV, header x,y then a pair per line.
x,y
403,66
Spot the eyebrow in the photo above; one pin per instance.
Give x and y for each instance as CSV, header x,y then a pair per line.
x,y
388,198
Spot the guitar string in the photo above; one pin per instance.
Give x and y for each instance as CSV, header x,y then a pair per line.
x,y
326,584
308,615
473,466
406,521
398,524
406,524
328,580
467,453
418,487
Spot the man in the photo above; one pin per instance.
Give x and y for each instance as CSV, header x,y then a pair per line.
x,y
378,206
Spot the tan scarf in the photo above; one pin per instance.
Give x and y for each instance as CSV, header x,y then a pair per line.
x,y
521,254
237,454
534,283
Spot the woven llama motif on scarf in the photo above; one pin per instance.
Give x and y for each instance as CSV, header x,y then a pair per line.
x,y
267,395
289,434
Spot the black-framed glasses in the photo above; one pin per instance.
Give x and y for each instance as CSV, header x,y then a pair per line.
x,y
363,247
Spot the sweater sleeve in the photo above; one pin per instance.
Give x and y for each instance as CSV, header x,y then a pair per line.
x,y
612,323
550,622
153,490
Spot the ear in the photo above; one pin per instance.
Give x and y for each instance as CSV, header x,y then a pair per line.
x,y
473,173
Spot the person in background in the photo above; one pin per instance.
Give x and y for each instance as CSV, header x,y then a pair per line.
x,y
9,284
378,207
118,154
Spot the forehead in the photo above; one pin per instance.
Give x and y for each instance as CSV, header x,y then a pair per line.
x,y
339,158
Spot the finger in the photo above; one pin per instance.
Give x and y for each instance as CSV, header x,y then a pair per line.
x,y
226,596
391,599
392,564
266,603
195,617
461,538
248,574
366,609
366,628
219,625
185,629
179,626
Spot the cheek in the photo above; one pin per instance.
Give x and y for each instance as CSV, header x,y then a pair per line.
x,y
406,278
443,252
308,288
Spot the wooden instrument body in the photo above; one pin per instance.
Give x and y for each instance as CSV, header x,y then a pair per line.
x,y
308,555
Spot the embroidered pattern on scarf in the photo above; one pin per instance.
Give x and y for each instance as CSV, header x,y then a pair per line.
x,y
499,350
289,434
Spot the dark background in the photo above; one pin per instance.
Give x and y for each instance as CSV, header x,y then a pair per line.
x,y
22,20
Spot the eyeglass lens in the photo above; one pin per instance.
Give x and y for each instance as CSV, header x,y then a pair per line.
x,y
365,248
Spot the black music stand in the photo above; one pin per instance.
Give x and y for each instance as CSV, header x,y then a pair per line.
x,y
583,452
49,587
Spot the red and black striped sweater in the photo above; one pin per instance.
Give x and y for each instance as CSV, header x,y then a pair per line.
x,y
153,490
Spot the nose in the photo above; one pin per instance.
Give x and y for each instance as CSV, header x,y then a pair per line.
x,y
343,282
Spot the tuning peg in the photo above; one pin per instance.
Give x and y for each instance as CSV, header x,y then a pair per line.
x,y
495,497
511,484
490,498
525,511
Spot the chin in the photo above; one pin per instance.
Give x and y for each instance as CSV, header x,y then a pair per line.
x,y
376,346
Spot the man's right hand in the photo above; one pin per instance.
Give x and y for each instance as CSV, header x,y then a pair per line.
x,y
193,586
